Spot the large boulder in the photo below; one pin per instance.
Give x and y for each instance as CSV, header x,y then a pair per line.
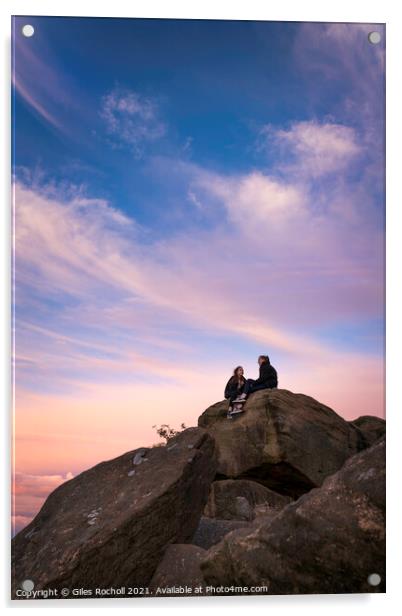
x,y
371,428
241,499
179,573
109,526
288,442
331,540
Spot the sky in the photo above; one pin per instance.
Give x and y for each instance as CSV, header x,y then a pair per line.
x,y
188,195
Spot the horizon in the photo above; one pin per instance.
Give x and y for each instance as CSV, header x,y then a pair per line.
x,y
188,195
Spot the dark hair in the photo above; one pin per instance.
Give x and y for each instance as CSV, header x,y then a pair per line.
x,y
235,371
264,357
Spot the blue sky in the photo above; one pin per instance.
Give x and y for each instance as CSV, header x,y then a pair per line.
x,y
213,86
188,195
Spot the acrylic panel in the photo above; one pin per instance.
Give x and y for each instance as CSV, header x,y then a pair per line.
x,y
198,307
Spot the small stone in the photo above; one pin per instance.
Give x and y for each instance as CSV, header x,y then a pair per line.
x,y
190,446
138,458
131,473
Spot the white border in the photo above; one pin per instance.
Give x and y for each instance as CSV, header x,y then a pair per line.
x,y
287,10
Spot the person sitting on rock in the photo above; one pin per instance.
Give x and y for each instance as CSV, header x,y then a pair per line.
x,y
235,386
268,378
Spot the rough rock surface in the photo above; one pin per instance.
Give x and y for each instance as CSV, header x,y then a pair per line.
x,y
328,541
109,526
241,499
180,566
288,442
372,428
210,531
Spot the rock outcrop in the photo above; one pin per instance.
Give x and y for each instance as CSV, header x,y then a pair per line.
x,y
330,540
240,499
288,495
287,442
371,428
110,525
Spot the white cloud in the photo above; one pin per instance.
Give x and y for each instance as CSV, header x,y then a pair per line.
x,y
255,198
131,119
315,149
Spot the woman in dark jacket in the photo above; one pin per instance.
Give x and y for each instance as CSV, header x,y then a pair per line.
x,y
235,385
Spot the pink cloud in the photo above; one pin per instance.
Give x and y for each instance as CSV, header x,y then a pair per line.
x,y
34,102
29,493
40,84
69,248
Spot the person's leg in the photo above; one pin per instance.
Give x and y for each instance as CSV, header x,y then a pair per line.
x,y
232,400
232,397
248,385
239,394
257,387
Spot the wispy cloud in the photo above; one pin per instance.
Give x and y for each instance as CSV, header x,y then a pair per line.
x,y
350,71
131,119
42,84
85,249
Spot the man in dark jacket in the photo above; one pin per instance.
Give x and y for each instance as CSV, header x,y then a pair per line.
x,y
268,378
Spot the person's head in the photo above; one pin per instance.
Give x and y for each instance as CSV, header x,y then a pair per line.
x,y
262,359
238,372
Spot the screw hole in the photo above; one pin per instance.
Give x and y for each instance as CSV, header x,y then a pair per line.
x,y
374,579
28,585
28,30
374,38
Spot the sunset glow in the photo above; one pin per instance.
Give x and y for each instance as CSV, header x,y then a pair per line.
x,y
187,197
